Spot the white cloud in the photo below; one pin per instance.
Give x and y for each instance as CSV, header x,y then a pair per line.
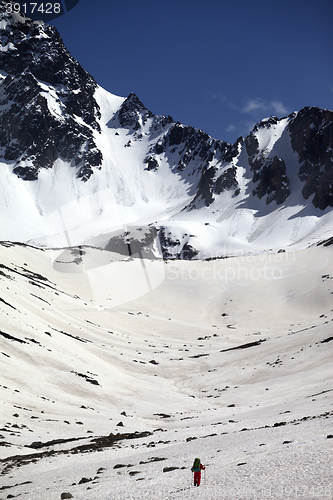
x,y
279,108
224,100
230,128
248,112
252,106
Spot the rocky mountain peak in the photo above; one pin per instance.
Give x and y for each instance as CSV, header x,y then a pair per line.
x,y
133,114
37,69
310,136
38,47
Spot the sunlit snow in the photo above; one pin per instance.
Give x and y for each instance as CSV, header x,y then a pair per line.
x,y
227,360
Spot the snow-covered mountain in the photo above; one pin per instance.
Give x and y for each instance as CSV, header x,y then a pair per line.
x,y
78,163
152,362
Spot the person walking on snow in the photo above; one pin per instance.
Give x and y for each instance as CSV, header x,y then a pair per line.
x,y
197,468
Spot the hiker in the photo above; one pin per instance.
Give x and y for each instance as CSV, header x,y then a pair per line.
x,y
197,468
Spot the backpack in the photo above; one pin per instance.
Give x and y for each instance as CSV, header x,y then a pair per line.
x,y
196,465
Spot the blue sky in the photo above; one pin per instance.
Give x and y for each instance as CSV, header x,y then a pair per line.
x,y
217,65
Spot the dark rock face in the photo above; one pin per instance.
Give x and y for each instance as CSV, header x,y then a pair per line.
x,y
270,173
272,180
166,243
252,146
152,163
39,49
311,137
185,251
33,137
30,133
205,186
132,113
25,129
227,180
192,150
310,133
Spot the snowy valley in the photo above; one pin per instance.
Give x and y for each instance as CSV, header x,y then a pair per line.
x,y
228,360
163,294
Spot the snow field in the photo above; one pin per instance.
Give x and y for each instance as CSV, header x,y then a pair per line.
x,y
83,369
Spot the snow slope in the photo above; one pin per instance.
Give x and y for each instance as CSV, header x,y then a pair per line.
x,y
58,210
229,360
